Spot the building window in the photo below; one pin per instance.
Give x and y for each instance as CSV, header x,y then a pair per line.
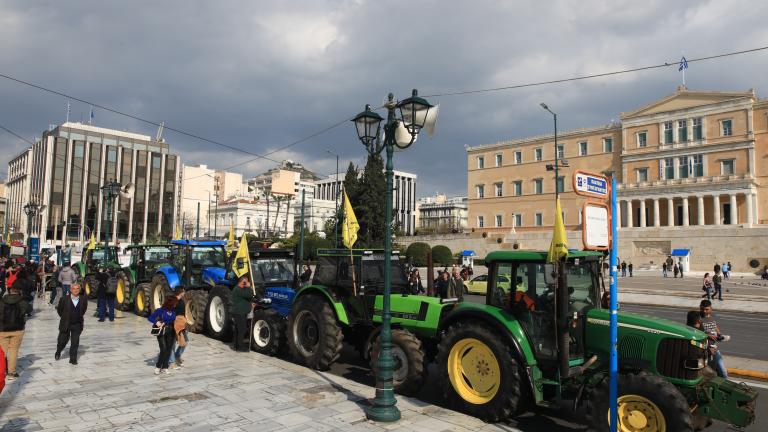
x,y
538,186
560,184
480,221
726,126
669,168
607,145
499,220
518,157
697,130
682,130
518,220
538,154
698,165
539,219
480,162
498,160
726,167
498,189
668,133
683,171
583,148
642,139
480,191
518,188
560,151
642,175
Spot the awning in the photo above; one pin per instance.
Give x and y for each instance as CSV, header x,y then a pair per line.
x,y
681,252
468,253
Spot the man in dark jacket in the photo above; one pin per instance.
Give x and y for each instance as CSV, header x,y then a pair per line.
x,y
13,310
105,295
71,309
242,296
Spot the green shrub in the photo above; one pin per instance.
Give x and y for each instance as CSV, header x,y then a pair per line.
x,y
416,253
442,255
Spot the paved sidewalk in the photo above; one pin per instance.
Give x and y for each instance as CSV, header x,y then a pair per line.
x,y
689,300
113,388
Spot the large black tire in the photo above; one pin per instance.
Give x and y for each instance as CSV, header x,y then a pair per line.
x,y
123,294
410,367
194,310
268,332
141,300
314,335
90,285
478,372
218,321
160,290
648,391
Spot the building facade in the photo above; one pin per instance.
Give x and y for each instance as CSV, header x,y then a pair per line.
x,y
18,194
65,171
440,214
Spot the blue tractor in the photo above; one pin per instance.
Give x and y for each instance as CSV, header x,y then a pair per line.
x,y
201,267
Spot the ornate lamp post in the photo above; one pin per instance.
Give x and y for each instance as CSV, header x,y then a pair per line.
x,y
109,192
31,209
413,116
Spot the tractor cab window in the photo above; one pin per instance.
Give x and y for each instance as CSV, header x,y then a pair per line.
x,y
533,303
372,277
156,254
583,284
207,257
272,271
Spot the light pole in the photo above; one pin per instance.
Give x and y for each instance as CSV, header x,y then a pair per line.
x,y
31,209
549,167
336,189
413,116
109,192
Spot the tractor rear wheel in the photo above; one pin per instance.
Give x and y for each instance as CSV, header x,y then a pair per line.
x,y
268,332
645,402
408,353
478,372
141,301
160,291
123,293
314,335
194,310
90,285
217,318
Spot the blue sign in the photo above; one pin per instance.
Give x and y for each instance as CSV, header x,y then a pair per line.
x,y
590,184
34,248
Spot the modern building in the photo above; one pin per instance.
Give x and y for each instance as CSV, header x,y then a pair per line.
x,y
65,171
203,189
439,214
3,211
692,160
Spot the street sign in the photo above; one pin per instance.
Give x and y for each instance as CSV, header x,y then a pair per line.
x,y
590,184
596,226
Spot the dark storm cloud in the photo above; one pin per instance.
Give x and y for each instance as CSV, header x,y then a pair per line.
x,y
259,75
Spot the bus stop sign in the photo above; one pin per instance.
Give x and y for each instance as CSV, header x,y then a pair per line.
x,y
590,184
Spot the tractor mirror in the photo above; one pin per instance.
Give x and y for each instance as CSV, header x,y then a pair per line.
x,y
550,275
240,263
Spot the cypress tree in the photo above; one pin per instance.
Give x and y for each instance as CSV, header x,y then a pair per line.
x,y
372,201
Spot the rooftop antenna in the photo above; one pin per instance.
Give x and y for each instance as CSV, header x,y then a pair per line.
x,y
160,132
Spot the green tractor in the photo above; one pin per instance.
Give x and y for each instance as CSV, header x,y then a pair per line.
x,y
544,339
133,281
344,303
91,261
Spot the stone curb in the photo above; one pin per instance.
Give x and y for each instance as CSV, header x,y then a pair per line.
x,y
748,373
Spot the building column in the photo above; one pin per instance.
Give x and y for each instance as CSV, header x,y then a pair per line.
x,y
617,215
716,208
685,211
734,211
656,215
670,212
700,209
756,215
750,210
630,222
642,213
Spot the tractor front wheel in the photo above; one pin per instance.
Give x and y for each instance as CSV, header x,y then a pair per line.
x,y
194,310
160,291
314,335
268,332
141,301
217,318
645,403
478,372
410,371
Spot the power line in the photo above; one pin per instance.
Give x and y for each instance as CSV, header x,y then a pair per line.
x,y
599,75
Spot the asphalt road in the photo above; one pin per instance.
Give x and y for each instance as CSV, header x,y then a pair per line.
x,y
652,281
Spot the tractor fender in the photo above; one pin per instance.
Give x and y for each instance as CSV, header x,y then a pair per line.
x,y
81,268
322,291
131,274
171,275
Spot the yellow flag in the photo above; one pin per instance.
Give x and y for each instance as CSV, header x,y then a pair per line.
x,y
177,235
559,246
350,227
241,264
92,243
231,239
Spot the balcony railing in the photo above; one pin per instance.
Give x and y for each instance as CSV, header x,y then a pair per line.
x,y
686,181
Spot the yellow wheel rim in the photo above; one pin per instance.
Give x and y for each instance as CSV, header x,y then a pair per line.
x,y
638,414
474,371
140,301
120,294
87,288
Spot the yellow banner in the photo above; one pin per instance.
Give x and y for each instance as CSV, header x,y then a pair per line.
x,y
350,227
92,243
177,234
231,239
242,258
559,247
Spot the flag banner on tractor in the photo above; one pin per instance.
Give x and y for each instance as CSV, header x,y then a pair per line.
x,y
177,235
231,239
92,243
241,263
350,227
559,246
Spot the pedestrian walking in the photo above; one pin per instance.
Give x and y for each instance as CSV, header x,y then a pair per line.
x,y
242,305
675,270
2,279
630,267
162,320
442,285
623,269
728,272
414,283
664,269
714,335
25,283
13,311
105,294
456,285
717,283
180,330
680,267
707,287
306,276
71,309
66,278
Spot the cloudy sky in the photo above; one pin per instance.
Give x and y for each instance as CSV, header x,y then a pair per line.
x,y
260,75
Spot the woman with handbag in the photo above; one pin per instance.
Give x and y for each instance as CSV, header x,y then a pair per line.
x,y
707,287
162,320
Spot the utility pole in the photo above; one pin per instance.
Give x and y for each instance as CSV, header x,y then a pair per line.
x,y
197,230
216,197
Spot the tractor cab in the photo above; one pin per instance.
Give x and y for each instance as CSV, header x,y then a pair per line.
x,y
196,260
145,259
100,255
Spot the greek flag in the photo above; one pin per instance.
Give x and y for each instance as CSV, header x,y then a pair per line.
x,y
91,120
683,64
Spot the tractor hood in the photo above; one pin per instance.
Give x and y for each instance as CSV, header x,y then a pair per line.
x,y
215,276
646,323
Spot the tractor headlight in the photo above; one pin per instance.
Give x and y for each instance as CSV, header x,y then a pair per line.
x,y
694,364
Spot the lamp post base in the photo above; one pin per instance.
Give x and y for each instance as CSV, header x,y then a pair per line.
x,y
382,413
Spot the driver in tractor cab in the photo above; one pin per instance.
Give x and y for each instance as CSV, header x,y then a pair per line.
x,y
519,298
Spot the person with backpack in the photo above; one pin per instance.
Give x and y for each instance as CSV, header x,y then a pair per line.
x,y
105,294
13,311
